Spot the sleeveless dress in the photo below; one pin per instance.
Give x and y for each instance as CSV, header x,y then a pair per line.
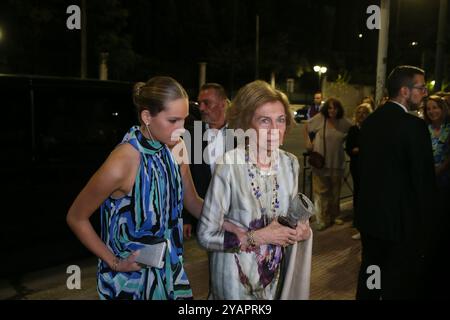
x,y
152,210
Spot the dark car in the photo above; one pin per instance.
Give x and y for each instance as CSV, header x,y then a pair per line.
x,y
55,133
301,114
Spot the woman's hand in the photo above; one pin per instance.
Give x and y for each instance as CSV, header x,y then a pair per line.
x,y
126,265
303,231
276,234
241,233
187,231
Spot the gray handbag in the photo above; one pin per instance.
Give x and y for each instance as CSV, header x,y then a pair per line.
x,y
152,255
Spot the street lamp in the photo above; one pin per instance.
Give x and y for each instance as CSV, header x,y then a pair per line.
x,y
1,34
320,70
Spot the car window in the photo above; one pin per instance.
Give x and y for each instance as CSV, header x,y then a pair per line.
x,y
79,123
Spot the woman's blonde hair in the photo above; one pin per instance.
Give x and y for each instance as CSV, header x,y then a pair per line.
x,y
156,93
440,102
249,98
366,106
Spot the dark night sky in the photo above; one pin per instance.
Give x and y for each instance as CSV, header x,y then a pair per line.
x,y
145,38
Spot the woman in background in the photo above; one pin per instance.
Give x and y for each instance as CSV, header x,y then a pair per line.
x,y
327,181
436,116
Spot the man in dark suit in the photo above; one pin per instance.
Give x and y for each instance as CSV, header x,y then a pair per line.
x,y
397,188
208,143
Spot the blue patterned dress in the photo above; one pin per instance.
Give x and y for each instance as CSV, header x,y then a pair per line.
x,y
152,210
441,150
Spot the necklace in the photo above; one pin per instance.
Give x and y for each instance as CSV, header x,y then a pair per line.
x,y
258,178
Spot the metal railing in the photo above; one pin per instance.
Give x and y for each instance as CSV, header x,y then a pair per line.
x,y
307,179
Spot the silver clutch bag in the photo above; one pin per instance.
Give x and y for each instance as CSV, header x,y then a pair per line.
x,y
152,255
300,209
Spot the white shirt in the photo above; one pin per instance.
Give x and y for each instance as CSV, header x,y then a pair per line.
x,y
216,145
403,107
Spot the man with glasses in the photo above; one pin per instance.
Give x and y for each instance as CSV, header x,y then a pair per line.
x,y
397,188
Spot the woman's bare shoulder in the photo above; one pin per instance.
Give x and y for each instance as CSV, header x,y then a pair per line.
x,y
122,159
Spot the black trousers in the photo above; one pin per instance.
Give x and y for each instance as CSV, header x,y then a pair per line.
x,y
402,271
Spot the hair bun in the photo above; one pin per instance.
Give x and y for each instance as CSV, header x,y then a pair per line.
x,y
137,88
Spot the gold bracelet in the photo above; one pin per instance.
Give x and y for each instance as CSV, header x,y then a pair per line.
x,y
116,262
251,238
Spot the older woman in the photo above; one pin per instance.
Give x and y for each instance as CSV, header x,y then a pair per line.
x,y
325,133
253,185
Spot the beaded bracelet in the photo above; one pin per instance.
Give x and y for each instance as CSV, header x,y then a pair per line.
x,y
251,238
115,264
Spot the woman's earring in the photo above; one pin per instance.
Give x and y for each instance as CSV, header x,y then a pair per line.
x,y
148,131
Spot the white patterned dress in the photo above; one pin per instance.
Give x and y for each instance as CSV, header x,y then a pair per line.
x,y
231,196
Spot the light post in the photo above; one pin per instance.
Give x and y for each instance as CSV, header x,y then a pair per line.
x,y
320,70
383,41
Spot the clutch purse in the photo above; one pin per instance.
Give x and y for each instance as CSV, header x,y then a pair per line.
x,y
300,209
287,222
152,255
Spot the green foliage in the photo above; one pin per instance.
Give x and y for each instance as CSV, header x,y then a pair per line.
x,y
343,78
43,45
